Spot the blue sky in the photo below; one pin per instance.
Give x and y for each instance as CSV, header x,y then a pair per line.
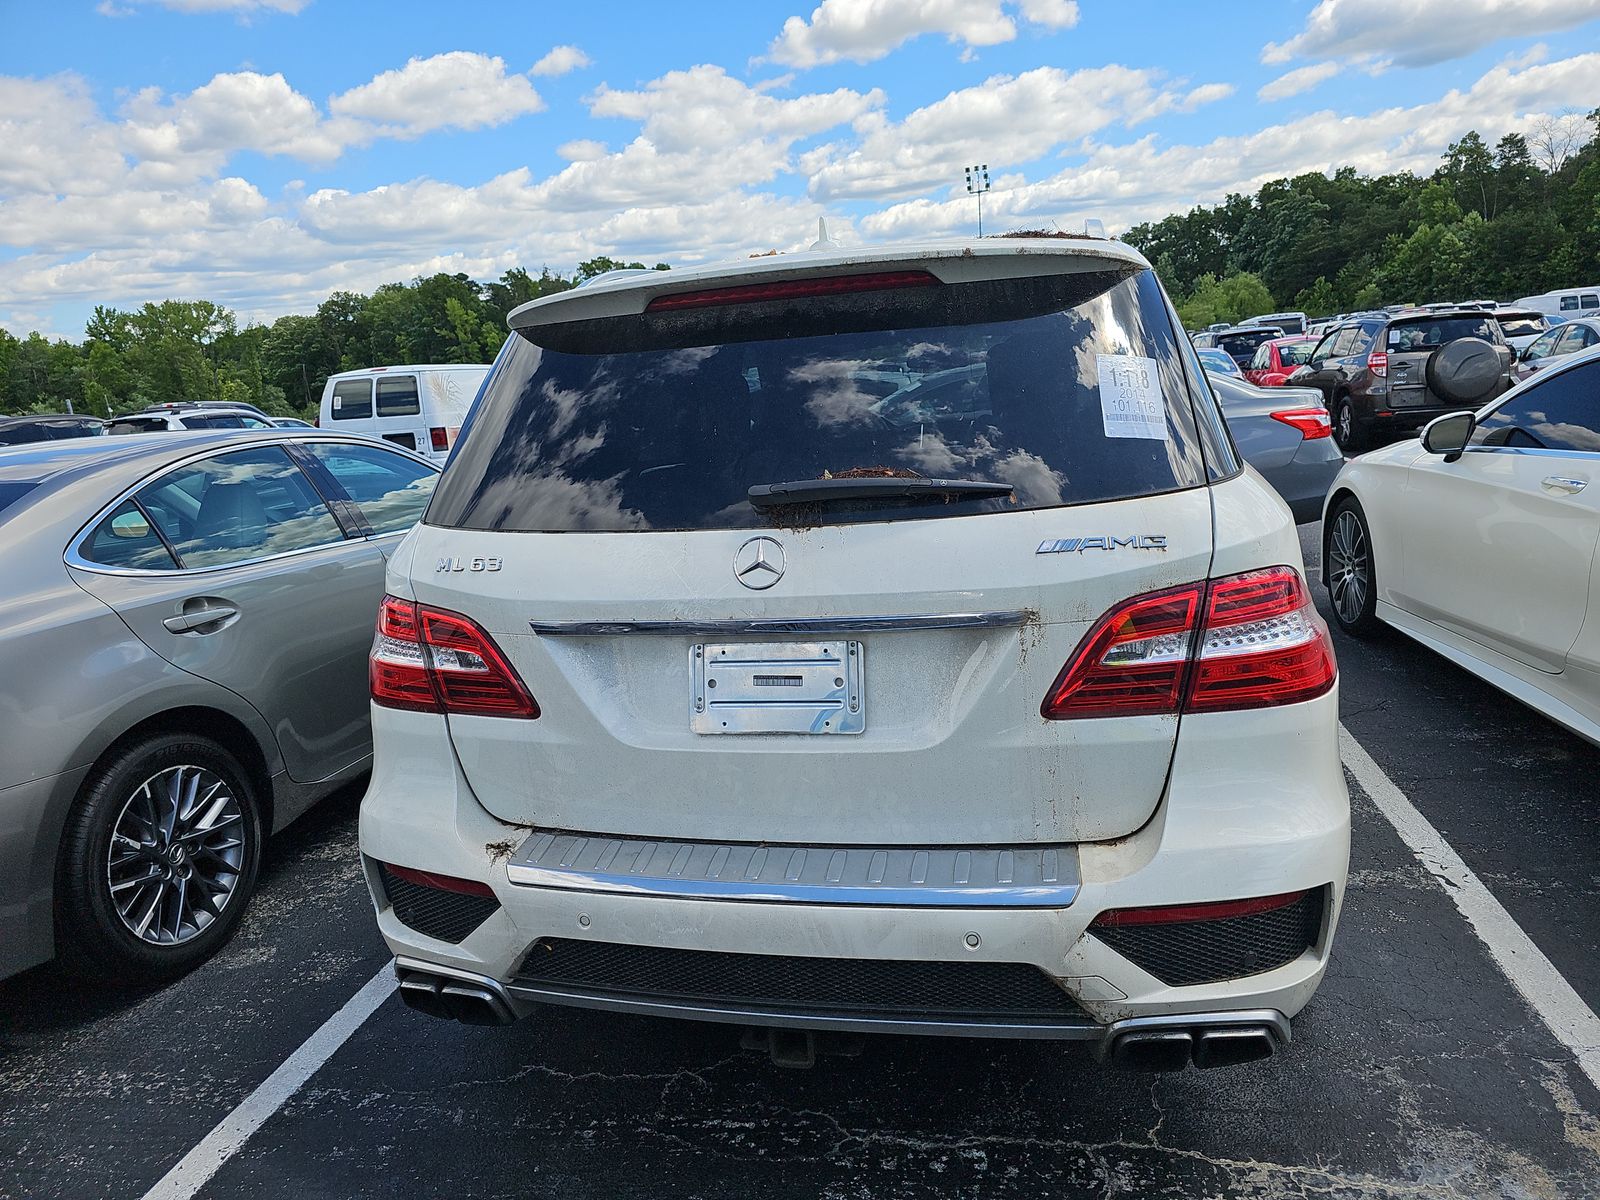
x,y
264,153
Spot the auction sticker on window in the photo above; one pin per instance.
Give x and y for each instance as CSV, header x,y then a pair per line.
x,y
1130,397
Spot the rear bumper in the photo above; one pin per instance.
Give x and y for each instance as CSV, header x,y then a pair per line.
x,y
1256,807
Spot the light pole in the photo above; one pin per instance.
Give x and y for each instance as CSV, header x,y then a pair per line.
x,y
977,185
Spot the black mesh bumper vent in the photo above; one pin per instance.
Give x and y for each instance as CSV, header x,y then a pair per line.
x,y
1183,953
447,916
785,983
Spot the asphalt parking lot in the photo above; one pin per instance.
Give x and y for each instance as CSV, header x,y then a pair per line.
x,y
1420,1069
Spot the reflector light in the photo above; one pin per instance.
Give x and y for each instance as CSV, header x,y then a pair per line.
x,y
440,438
1175,914
430,660
1311,422
443,883
791,289
1244,641
1378,363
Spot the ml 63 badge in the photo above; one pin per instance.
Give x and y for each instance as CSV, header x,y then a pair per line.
x,y
466,564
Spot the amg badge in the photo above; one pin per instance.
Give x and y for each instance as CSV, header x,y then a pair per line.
x,y
1137,541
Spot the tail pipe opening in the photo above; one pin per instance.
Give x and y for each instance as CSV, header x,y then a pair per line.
x,y
469,1001
1172,1042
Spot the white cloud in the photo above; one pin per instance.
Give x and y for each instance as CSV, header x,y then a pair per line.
x,y
1007,118
143,204
560,60
1417,33
1301,79
458,89
1128,183
865,30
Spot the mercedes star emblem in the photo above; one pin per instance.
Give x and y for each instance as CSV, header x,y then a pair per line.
x,y
759,563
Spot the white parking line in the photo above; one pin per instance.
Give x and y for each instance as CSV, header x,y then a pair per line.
x,y
231,1133
1546,990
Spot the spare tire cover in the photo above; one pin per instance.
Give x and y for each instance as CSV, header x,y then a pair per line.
x,y
1465,370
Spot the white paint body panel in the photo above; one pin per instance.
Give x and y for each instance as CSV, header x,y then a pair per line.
x,y
1480,561
444,396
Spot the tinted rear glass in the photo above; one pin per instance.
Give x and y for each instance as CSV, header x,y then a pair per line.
x,y
1243,345
997,382
1521,326
1429,333
1294,354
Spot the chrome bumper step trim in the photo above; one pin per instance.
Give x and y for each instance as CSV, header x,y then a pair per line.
x,y
1030,876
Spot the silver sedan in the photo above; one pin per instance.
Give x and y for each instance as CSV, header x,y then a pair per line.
x,y
1285,433
184,623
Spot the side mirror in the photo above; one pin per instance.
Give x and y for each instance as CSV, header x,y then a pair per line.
x,y
1448,435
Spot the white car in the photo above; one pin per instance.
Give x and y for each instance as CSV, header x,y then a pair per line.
x,y
714,685
1479,541
419,408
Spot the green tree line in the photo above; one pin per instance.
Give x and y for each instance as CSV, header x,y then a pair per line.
x,y
1515,219
196,350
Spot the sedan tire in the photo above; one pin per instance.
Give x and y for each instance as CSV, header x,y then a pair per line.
x,y
1347,570
158,860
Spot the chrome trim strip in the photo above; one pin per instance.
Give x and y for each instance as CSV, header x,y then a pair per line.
x,y
1063,1029
1028,876
786,625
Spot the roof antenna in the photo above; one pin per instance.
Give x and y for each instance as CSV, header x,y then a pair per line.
x,y
823,242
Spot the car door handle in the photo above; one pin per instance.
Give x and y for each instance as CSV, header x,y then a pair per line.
x,y
201,617
1567,487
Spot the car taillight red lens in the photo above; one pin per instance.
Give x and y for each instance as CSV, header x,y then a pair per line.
x,y
1244,641
789,289
1132,663
1263,644
1311,422
440,438
1378,363
430,660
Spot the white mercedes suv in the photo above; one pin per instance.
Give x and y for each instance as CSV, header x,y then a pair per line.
x,y
883,640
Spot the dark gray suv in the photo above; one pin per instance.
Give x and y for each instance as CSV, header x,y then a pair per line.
x,y
1391,376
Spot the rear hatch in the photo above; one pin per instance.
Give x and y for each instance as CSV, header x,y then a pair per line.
x,y
858,656
1411,341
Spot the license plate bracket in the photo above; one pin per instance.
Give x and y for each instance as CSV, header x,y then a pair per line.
x,y
809,688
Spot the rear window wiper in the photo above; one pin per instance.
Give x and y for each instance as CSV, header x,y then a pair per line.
x,y
821,491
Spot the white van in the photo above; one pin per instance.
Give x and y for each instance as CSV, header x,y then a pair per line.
x,y
1568,302
420,408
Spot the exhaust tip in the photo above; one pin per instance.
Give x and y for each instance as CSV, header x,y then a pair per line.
x,y
1166,1050
1231,1047
454,1000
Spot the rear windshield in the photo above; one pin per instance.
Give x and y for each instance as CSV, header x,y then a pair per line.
x,y
1240,346
1521,326
213,421
1068,388
1294,354
1429,333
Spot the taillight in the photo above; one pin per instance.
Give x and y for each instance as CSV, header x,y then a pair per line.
x,y
1311,422
1133,662
430,660
1378,363
440,438
1244,641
